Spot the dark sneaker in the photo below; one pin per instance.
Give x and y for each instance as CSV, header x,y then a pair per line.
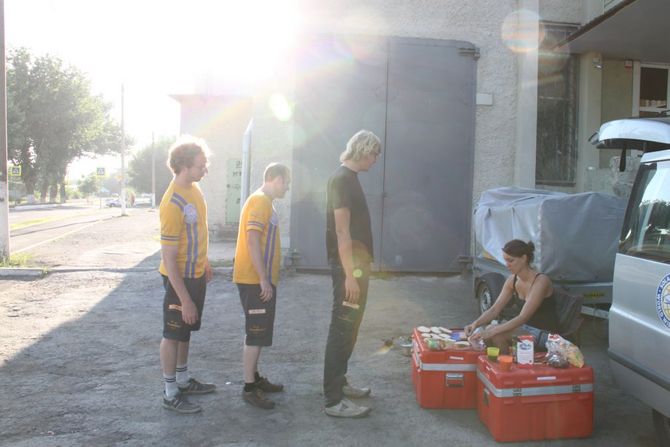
x,y
195,387
257,399
355,393
268,387
180,404
347,409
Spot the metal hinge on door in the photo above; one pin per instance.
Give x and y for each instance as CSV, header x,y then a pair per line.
x,y
473,52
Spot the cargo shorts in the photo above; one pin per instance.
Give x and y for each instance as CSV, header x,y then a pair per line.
x,y
259,315
174,327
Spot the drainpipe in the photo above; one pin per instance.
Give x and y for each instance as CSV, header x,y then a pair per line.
x,y
246,163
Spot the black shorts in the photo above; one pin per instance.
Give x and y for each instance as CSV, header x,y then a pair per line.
x,y
174,327
259,315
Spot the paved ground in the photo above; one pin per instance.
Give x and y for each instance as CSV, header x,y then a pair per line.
x,y
79,359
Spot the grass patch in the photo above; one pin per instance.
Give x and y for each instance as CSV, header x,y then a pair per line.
x,y
17,260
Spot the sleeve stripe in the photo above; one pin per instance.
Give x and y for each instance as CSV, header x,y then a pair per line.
x,y
169,238
178,203
178,198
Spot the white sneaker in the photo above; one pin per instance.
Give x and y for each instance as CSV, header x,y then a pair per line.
x,y
347,409
355,393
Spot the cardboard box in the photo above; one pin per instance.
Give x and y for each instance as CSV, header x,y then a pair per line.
x,y
444,379
535,403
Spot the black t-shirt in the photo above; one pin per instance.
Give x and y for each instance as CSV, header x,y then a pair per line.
x,y
345,191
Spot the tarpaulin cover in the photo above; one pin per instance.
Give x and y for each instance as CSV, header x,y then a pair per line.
x,y
575,235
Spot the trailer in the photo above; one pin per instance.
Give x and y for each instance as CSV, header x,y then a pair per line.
x,y
575,236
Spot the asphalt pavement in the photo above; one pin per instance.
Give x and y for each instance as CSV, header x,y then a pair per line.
x,y
79,364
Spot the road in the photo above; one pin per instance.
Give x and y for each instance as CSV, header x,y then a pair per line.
x,y
38,233
34,227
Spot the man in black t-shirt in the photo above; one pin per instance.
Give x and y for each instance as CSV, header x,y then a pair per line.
x,y
349,247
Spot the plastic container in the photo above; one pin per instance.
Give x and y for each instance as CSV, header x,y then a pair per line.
x,y
505,362
525,352
534,403
444,379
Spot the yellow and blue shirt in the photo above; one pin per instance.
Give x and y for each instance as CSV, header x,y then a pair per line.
x,y
258,214
183,216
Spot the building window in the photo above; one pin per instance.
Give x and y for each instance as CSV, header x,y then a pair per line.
x,y
556,110
654,89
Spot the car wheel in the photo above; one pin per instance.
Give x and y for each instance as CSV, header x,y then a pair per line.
x,y
488,290
662,426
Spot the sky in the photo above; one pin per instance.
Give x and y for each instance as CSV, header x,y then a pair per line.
x,y
154,49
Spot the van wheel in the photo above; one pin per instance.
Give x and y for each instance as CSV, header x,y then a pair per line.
x,y
488,290
662,425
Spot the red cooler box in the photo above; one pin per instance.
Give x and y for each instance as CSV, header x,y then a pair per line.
x,y
534,403
444,379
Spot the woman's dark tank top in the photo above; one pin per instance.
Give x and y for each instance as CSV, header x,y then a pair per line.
x,y
545,316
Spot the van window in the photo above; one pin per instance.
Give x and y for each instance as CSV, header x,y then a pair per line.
x,y
646,228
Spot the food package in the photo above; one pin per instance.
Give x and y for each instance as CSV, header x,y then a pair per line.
x,y
560,351
478,344
438,344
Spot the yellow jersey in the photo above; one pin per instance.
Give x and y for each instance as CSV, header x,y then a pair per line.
x,y
258,214
183,216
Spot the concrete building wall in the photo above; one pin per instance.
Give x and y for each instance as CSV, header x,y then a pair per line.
x,y
566,11
617,98
221,121
506,77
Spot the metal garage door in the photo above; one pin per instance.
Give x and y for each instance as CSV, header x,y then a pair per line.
x,y
418,96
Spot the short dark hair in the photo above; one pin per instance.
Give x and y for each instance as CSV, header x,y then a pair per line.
x,y
183,152
275,170
518,248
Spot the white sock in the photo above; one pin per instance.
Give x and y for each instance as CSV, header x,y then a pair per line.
x,y
171,388
182,375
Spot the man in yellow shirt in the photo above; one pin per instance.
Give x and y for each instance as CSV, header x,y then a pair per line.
x,y
185,270
256,273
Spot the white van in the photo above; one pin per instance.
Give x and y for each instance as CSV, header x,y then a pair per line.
x,y
639,319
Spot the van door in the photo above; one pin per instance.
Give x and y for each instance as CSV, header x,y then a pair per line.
x,y
640,313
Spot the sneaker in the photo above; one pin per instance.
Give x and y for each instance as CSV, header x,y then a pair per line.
x,y
256,398
268,387
195,387
347,409
355,393
180,404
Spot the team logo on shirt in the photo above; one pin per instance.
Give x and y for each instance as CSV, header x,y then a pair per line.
x,y
663,300
190,214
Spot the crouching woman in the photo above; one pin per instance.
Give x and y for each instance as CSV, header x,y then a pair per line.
x,y
531,296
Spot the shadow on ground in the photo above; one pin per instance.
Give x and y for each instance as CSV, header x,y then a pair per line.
x,y
94,377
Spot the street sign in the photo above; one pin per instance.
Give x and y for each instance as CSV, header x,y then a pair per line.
x,y
100,172
15,171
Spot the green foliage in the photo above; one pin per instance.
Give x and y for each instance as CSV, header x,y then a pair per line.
x,y
52,119
73,192
89,185
17,260
139,169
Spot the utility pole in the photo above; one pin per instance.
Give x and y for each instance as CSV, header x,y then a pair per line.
x,y
153,172
4,180
123,159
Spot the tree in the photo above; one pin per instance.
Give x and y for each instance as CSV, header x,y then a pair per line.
x,y
139,168
89,185
52,119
